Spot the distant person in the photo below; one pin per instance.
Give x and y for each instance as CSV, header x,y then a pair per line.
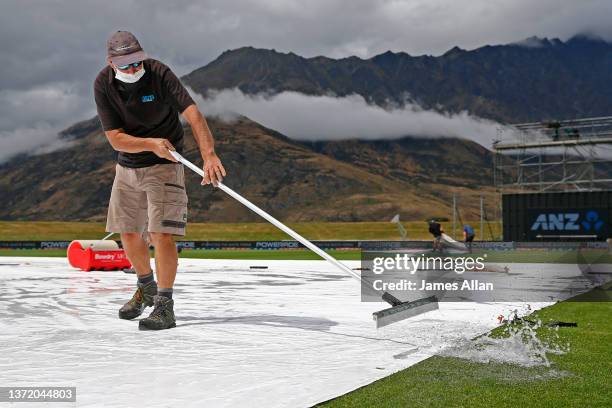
x,y
139,100
555,126
436,230
468,236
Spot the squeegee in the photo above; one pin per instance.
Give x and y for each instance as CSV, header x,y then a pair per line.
x,y
398,311
452,243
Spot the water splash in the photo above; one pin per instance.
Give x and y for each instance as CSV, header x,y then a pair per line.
x,y
518,344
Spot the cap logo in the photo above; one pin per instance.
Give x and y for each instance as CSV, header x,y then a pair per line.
x,y
127,47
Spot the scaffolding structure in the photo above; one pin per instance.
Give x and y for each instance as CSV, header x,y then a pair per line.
x,y
567,155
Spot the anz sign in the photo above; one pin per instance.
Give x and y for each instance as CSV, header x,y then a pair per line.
x,y
557,222
568,222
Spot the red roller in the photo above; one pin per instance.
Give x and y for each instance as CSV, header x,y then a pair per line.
x,y
99,255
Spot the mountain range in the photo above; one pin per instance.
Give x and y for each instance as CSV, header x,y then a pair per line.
x,y
535,79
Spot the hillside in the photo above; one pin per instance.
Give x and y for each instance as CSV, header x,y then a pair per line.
x,y
340,181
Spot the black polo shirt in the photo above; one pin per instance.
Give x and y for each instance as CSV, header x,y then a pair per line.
x,y
147,108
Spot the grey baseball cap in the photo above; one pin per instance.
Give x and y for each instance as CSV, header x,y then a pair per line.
x,y
123,48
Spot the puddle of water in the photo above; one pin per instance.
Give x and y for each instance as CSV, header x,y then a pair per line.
x,y
518,345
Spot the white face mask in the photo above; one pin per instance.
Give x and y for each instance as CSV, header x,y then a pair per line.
x,y
129,78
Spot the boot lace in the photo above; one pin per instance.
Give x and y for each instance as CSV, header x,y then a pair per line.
x,y
137,297
158,310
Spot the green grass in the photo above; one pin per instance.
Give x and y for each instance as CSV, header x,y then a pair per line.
x,y
33,252
271,254
532,256
547,256
67,231
295,254
582,377
587,256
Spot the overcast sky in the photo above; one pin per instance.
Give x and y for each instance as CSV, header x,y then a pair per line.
x,y
52,50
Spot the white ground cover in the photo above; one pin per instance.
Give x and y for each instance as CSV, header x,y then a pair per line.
x,y
291,335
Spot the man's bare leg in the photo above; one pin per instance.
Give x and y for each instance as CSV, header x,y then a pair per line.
x,y
166,259
137,252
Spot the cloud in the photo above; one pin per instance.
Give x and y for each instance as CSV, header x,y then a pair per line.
x,y
32,118
49,103
37,139
46,46
305,117
46,41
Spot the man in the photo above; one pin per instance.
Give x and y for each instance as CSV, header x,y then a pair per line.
x,y
139,101
435,229
468,236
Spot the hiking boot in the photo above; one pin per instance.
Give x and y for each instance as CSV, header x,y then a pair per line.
x,y
162,316
141,299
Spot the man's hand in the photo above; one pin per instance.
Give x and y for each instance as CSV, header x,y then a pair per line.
x,y
162,147
213,170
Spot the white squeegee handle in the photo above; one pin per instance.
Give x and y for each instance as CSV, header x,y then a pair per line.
x,y
271,219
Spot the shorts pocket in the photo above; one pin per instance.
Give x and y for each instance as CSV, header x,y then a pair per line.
x,y
175,206
174,194
175,216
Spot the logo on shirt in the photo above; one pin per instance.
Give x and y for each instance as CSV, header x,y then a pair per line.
x,y
147,98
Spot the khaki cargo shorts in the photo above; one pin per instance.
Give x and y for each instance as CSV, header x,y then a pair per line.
x,y
149,199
